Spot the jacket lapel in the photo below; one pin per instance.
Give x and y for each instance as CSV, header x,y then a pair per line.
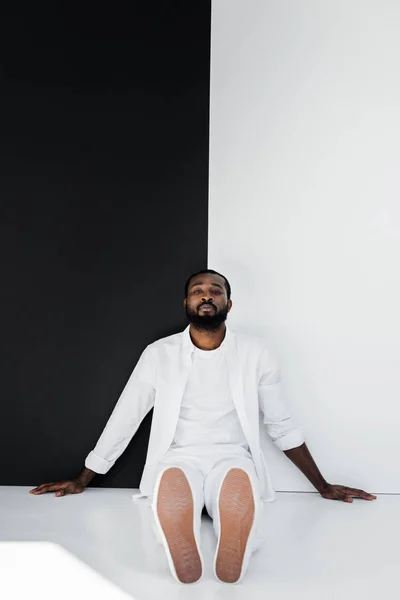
x,y
173,394
236,387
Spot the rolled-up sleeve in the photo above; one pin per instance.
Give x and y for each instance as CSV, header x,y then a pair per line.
x,y
135,401
281,426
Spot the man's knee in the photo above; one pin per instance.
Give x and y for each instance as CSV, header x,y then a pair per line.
x,y
172,478
236,478
236,482
177,478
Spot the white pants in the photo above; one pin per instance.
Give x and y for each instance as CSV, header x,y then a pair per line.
x,y
205,474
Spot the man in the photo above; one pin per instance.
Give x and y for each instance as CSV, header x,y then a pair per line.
x,y
208,387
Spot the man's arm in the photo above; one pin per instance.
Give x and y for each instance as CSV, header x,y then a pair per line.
x,y
302,458
289,437
135,401
281,426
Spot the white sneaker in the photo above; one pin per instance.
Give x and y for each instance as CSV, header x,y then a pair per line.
x,y
178,521
236,527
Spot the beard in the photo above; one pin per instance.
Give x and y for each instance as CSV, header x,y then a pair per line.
x,y
207,322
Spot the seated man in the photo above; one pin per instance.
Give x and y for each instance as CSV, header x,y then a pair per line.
x,y
207,386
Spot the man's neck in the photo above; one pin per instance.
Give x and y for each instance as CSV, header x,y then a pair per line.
x,y
207,340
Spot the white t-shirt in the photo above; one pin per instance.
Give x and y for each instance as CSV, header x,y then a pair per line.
x,y
208,419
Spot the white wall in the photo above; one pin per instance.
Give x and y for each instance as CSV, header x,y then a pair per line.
x,y
305,217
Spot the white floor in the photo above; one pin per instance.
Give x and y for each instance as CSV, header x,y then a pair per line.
x,y
103,542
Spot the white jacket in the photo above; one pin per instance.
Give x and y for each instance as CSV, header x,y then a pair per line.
x,y
158,381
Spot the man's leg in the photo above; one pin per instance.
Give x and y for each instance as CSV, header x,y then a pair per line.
x,y
233,501
177,504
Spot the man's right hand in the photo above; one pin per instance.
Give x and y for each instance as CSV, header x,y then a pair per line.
x,y
61,488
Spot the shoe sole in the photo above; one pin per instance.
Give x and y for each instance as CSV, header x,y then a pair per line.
x,y
236,513
175,512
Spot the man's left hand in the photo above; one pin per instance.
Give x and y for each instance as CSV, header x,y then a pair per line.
x,y
346,494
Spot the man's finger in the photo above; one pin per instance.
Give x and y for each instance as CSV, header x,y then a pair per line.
x,y
367,496
360,493
41,487
48,487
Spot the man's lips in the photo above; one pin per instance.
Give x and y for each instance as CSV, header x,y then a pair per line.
x,y
206,307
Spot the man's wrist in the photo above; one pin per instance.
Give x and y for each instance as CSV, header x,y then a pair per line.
x,y
323,486
85,477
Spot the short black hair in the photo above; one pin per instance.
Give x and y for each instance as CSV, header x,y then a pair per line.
x,y
227,284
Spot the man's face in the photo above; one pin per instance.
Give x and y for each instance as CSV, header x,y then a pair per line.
x,y
207,304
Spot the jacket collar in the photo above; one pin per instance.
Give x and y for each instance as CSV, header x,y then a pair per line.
x,y
227,343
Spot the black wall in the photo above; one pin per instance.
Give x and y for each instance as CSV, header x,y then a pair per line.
x,y
104,214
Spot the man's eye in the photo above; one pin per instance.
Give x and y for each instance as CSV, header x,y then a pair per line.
x,y
214,291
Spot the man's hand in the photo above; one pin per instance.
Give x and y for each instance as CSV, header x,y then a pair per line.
x,y
61,488
341,492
